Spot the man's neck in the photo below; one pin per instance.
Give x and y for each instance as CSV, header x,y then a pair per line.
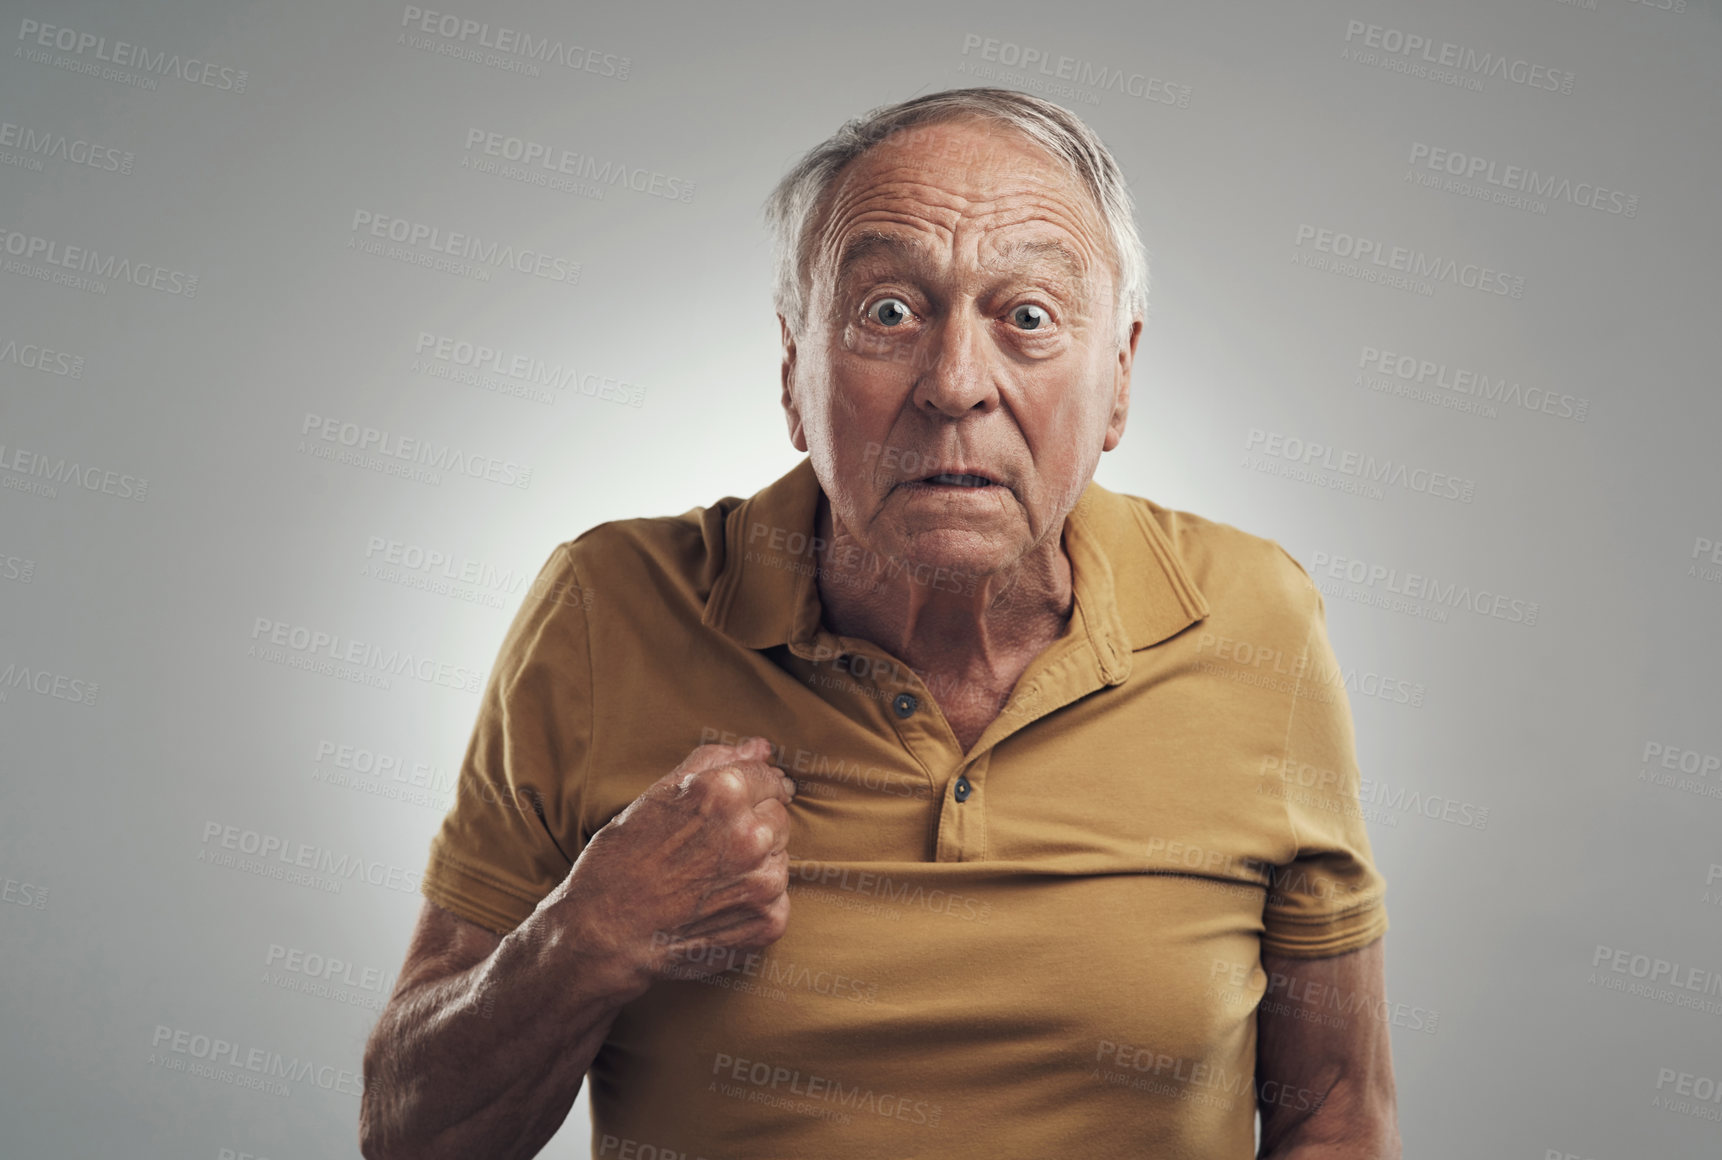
x,y
944,621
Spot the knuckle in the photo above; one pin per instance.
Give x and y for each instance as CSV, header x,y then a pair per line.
x,y
762,839
745,848
727,783
713,790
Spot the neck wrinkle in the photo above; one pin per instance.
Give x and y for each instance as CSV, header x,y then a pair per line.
x,y
990,633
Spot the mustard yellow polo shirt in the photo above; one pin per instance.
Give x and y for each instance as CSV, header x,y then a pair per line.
x,y
1046,946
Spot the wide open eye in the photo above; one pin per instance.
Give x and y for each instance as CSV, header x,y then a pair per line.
x,y
888,311
1028,316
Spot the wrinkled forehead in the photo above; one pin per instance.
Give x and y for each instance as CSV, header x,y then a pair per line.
x,y
981,186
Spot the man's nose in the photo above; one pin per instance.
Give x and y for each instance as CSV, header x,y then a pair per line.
x,y
957,377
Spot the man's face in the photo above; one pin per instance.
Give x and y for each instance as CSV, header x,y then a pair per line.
x,y
960,319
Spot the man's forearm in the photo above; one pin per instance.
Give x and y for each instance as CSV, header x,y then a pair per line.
x,y
1340,1068
487,1062
1349,1124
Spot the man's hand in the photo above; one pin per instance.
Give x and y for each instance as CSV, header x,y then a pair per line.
x,y
693,871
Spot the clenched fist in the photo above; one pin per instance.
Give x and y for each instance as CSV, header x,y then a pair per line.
x,y
695,868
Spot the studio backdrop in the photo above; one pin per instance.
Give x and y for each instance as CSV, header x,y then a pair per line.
x,y
321,324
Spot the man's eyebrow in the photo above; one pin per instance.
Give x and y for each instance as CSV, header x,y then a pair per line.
x,y
1051,249
866,244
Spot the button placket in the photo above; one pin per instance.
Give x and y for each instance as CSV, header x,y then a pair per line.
x,y
873,677
962,833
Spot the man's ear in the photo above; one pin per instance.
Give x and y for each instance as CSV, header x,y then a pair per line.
x,y
791,412
1121,387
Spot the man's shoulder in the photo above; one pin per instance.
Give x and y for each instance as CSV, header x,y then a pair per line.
x,y
649,557
1232,568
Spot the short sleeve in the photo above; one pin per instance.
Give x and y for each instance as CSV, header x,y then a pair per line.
x,y
497,853
1329,899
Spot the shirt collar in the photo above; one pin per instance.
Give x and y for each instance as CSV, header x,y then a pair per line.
x,y
1128,579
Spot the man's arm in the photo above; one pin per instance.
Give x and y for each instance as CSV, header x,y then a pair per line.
x,y
486,1039
1324,1081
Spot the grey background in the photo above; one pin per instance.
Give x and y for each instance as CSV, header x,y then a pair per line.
x,y
120,918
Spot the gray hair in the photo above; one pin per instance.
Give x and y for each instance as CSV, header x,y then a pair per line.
x,y
792,206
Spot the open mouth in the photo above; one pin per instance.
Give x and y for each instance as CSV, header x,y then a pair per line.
x,y
954,479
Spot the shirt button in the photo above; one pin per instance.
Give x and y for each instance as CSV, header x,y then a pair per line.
x,y
963,788
904,704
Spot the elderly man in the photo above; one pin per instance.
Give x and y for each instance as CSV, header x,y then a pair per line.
x,y
1059,782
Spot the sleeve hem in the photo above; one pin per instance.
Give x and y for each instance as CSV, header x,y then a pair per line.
x,y
474,895
1327,938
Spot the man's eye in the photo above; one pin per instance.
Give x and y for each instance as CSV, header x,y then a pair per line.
x,y
888,311
1030,317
